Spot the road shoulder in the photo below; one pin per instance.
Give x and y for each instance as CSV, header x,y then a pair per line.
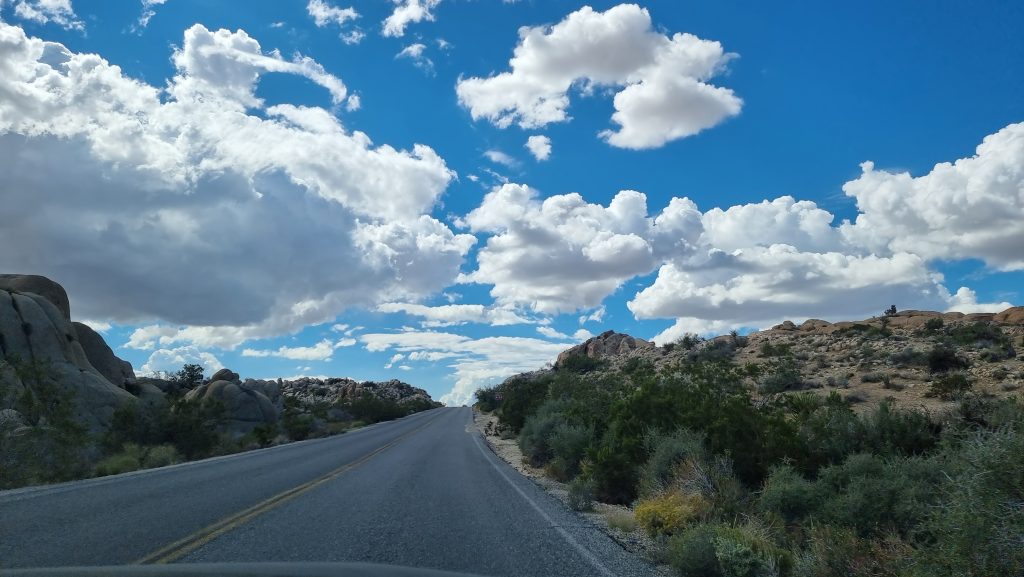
x,y
635,542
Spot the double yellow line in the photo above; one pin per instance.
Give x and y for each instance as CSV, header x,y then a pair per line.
x,y
188,544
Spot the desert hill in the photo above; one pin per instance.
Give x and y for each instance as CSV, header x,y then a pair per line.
x,y
896,355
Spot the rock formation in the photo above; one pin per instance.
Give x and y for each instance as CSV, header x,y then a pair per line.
x,y
604,345
40,346
331,391
102,358
246,406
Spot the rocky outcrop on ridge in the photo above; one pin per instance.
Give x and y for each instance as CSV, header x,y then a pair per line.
x,y
41,347
336,390
605,345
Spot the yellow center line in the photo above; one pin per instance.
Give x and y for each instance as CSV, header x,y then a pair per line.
x,y
186,545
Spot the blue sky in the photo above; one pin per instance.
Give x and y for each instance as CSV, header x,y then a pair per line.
x,y
344,188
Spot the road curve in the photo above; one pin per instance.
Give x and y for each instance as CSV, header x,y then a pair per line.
x,y
423,491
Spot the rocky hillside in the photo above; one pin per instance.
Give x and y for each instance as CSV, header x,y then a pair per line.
x,y
899,355
337,390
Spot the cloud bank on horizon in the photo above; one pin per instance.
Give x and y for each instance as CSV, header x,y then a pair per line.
x,y
212,221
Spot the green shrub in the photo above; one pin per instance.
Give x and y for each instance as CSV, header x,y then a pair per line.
x,y
265,434
569,445
978,526
712,550
579,364
909,357
949,386
487,399
781,375
770,350
520,398
160,456
535,437
788,494
668,513
666,452
297,426
933,325
581,494
942,359
692,552
874,496
873,377
128,459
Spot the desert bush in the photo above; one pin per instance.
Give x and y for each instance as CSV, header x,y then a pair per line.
x,y
689,340
874,496
535,437
129,458
787,493
949,386
521,398
666,452
780,375
873,377
669,512
161,456
623,520
933,325
580,364
977,527
772,350
942,359
265,434
692,552
569,445
487,399
718,550
908,357
581,494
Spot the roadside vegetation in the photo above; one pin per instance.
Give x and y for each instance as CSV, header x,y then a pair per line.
x,y
769,480
47,445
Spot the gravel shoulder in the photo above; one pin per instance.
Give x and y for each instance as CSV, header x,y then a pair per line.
x,y
635,541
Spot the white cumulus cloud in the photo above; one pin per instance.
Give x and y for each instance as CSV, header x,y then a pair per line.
x,y
453,314
970,208
59,12
662,82
539,146
324,14
187,205
321,351
408,12
562,253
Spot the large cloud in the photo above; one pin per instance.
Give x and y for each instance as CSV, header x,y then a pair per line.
x,y
197,205
970,208
563,253
756,264
664,94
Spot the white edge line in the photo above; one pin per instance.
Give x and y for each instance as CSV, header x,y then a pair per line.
x,y
586,553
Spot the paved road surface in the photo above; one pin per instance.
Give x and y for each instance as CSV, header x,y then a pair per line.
x,y
423,491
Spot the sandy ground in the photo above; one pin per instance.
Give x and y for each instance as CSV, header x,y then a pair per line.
x,y
636,541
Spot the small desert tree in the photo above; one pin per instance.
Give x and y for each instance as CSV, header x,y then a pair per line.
x,y
190,376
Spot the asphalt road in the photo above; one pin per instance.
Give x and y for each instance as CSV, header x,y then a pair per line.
x,y
423,491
